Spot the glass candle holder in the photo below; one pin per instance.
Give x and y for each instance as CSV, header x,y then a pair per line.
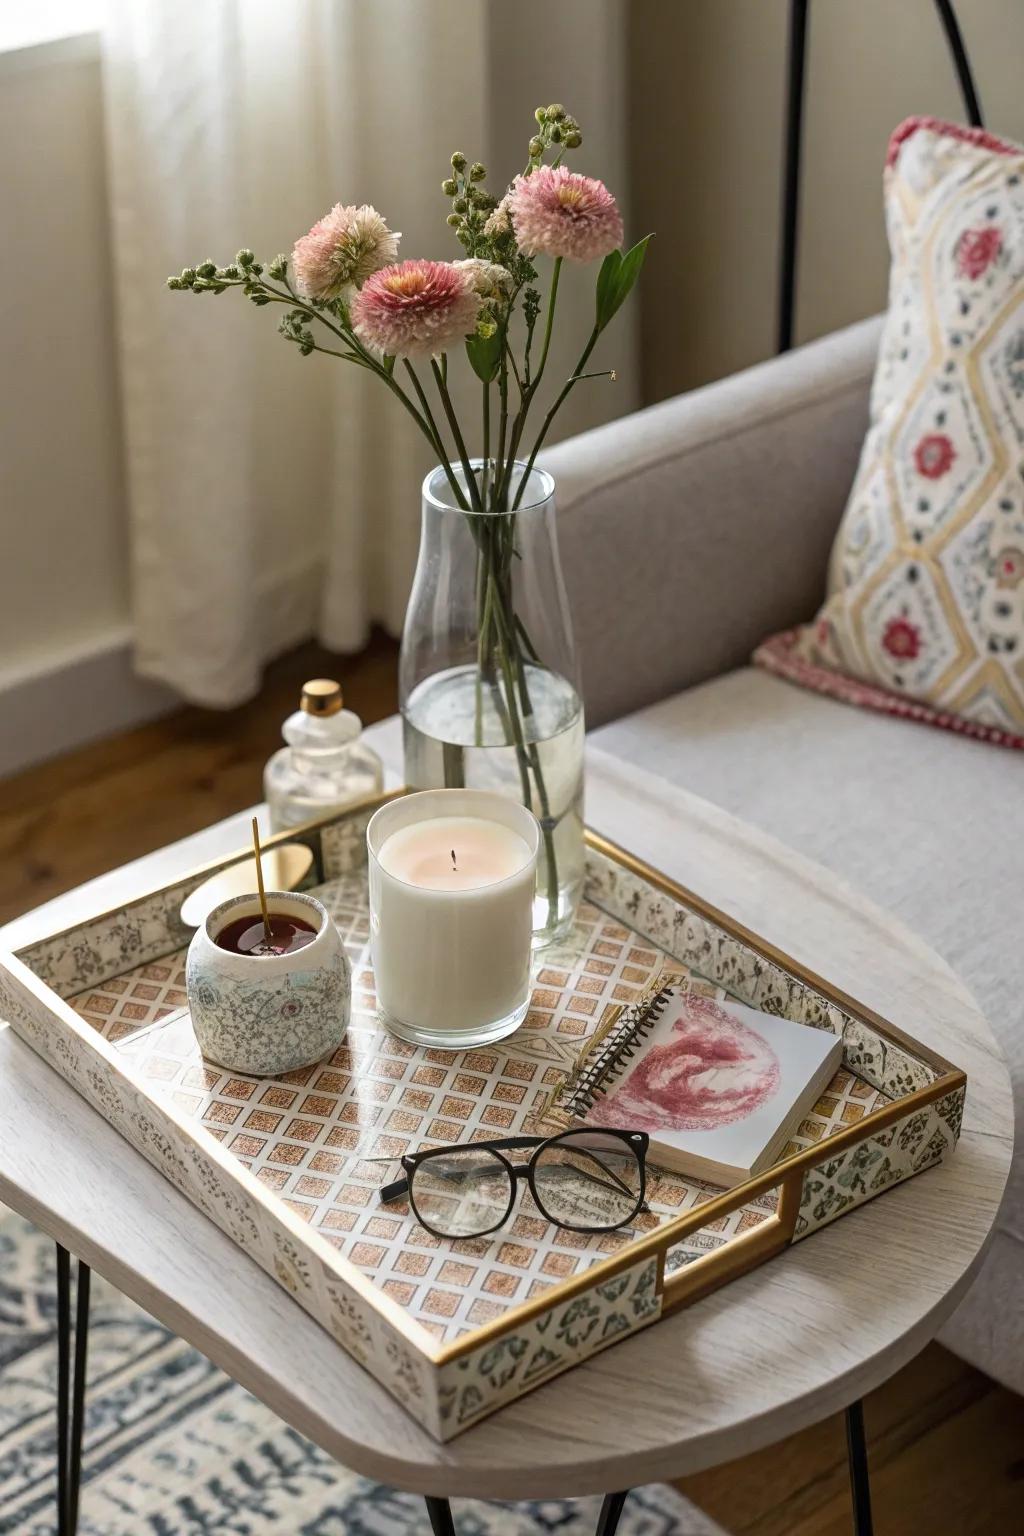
x,y
452,878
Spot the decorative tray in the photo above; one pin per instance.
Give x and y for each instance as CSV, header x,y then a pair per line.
x,y
457,1329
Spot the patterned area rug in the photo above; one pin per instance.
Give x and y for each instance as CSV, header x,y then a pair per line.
x,y
175,1448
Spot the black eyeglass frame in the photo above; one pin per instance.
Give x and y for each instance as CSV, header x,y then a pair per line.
x,y
637,1142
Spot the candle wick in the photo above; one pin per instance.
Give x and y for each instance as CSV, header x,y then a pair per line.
x,y
454,865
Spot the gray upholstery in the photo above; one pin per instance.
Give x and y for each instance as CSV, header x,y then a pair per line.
x,y
926,823
691,531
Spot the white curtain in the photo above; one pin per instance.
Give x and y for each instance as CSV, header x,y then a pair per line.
x,y
273,497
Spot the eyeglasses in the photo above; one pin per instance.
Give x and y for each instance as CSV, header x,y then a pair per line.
x,y
587,1181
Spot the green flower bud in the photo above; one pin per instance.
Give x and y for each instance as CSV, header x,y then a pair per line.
x,y
231,271
536,148
449,186
259,298
256,267
245,258
573,139
541,115
556,134
458,161
207,269
556,112
188,276
175,282
453,221
278,267
477,172
460,205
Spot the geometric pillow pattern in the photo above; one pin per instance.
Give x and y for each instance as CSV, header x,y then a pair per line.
x,y
925,597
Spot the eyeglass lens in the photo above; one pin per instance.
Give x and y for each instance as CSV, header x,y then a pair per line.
x,y
462,1193
588,1181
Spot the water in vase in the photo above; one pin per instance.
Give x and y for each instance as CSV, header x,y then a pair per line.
x,y
456,733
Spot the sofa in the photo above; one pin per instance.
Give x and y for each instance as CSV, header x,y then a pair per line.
x,y
691,531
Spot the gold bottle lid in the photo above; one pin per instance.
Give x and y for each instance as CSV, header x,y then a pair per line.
x,y
321,696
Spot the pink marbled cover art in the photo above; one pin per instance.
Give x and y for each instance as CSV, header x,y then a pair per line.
x,y
718,1086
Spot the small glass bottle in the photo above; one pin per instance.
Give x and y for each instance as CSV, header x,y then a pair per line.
x,y
325,766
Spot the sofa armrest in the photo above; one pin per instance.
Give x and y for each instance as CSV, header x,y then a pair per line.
x,y
691,530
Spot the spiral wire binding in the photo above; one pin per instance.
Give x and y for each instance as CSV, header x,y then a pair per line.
x,y
594,1074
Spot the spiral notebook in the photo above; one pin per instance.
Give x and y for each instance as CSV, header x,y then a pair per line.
x,y
719,1087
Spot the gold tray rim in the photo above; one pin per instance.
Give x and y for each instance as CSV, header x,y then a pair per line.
x,y
742,1253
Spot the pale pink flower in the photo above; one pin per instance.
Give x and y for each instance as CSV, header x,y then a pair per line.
x,y
416,309
556,212
341,251
490,280
498,222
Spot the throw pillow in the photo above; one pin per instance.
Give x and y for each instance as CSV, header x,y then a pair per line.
x,y
924,615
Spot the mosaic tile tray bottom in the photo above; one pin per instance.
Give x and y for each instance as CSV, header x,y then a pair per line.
x,y
309,1134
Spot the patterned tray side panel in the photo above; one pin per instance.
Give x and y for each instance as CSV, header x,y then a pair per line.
x,y
497,1373
703,947
365,1332
107,946
919,1141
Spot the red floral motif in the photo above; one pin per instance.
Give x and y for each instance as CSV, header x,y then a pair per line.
x,y
902,639
934,455
976,250
1009,568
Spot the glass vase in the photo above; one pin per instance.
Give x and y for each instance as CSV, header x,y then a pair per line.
x,y
488,679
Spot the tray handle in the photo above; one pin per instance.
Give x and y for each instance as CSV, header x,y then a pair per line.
x,y
743,1253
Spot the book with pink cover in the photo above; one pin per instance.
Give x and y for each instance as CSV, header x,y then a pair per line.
x,y
719,1087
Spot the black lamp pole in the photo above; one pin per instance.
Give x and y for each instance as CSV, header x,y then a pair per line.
x,y
795,76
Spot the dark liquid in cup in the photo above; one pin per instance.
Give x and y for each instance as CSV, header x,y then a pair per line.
x,y
246,935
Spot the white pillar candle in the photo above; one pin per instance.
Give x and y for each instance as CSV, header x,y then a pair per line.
x,y
452,876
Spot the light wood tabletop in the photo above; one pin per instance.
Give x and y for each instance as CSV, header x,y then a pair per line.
x,y
799,1338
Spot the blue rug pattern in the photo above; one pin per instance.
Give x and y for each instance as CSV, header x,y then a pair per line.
x,y
175,1448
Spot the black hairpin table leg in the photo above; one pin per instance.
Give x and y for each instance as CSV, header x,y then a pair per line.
x,y
857,1454
611,1509
70,1389
442,1524
440,1512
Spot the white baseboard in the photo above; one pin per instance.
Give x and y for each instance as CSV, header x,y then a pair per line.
x,y
65,701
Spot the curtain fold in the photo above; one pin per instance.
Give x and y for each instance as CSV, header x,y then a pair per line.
x,y
271,496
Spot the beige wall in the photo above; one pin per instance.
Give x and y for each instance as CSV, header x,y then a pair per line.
x,y
707,81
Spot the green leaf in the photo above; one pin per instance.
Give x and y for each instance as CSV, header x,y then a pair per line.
x,y
484,353
620,280
607,282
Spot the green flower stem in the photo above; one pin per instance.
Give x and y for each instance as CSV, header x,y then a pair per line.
x,y
453,422
503,416
486,427
434,436
519,425
548,324
573,379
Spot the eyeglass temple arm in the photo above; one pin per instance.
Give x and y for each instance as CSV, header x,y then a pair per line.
x,y
388,1192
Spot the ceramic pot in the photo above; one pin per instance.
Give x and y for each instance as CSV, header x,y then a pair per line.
x,y
268,1014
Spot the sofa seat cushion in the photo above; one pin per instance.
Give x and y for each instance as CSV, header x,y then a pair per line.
x,y
926,823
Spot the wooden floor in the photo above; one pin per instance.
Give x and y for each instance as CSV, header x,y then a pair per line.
x,y
946,1443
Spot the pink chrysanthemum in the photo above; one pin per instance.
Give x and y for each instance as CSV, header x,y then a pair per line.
x,y
341,251
416,309
558,213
